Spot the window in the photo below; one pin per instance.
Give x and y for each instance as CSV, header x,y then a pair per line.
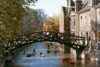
x,y
90,2
89,19
86,34
98,36
81,23
81,34
85,19
99,17
98,26
74,21
85,23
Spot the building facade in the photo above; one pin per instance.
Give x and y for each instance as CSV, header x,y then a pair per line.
x,y
87,20
67,17
84,20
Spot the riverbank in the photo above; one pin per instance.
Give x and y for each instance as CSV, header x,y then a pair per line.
x,y
13,54
2,64
2,61
19,49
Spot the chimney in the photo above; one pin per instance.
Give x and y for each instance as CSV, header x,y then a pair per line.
x,y
70,3
78,5
95,2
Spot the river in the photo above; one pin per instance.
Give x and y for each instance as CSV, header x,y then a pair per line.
x,y
50,60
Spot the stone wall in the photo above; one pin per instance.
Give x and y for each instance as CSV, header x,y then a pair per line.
x,y
67,24
77,24
85,24
61,21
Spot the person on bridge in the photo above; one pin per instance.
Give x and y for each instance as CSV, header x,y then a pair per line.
x,y
58,36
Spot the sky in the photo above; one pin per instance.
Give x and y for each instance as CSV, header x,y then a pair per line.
x,y
51,7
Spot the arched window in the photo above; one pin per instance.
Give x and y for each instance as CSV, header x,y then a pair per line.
x,y
86,34
89,38
81,23
99,17
85,20
81,34
81,20
89,19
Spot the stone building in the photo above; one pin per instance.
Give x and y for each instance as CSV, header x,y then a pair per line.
x,y
64,21
83,18
67,20
87,19
67,17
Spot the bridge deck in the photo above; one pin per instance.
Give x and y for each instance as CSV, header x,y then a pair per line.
x,y
76,42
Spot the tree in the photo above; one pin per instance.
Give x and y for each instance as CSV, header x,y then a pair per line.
x,y
33,21
11,14
42,17
51,24
28,22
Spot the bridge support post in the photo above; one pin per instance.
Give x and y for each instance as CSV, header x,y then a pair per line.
x,y
79,55
64,48
73,51
61,47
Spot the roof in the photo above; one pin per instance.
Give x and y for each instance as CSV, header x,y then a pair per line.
x,y
85,1
98,6
85,7
65,10
72,3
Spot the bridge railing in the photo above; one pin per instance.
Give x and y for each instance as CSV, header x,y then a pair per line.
x,y
70,40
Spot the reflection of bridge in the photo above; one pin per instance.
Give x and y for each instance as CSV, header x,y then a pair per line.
x,y
75,42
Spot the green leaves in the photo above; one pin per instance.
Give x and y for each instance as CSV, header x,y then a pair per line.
x,y
11,15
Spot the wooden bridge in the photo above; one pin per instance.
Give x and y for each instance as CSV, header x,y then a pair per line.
x,y
75,42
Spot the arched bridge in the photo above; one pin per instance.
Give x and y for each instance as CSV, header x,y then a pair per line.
x,y
75,42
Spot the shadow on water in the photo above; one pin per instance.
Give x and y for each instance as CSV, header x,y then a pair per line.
x,y
50,60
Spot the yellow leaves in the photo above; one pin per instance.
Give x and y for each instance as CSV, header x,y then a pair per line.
x,y
52,24
14,18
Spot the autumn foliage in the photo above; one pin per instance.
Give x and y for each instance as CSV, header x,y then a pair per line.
x,y
51,24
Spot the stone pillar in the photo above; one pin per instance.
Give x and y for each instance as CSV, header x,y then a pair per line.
x,y
78,5
72,50
80,55
77,26
64,48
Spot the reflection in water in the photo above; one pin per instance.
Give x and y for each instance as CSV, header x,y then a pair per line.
x,y
50,60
